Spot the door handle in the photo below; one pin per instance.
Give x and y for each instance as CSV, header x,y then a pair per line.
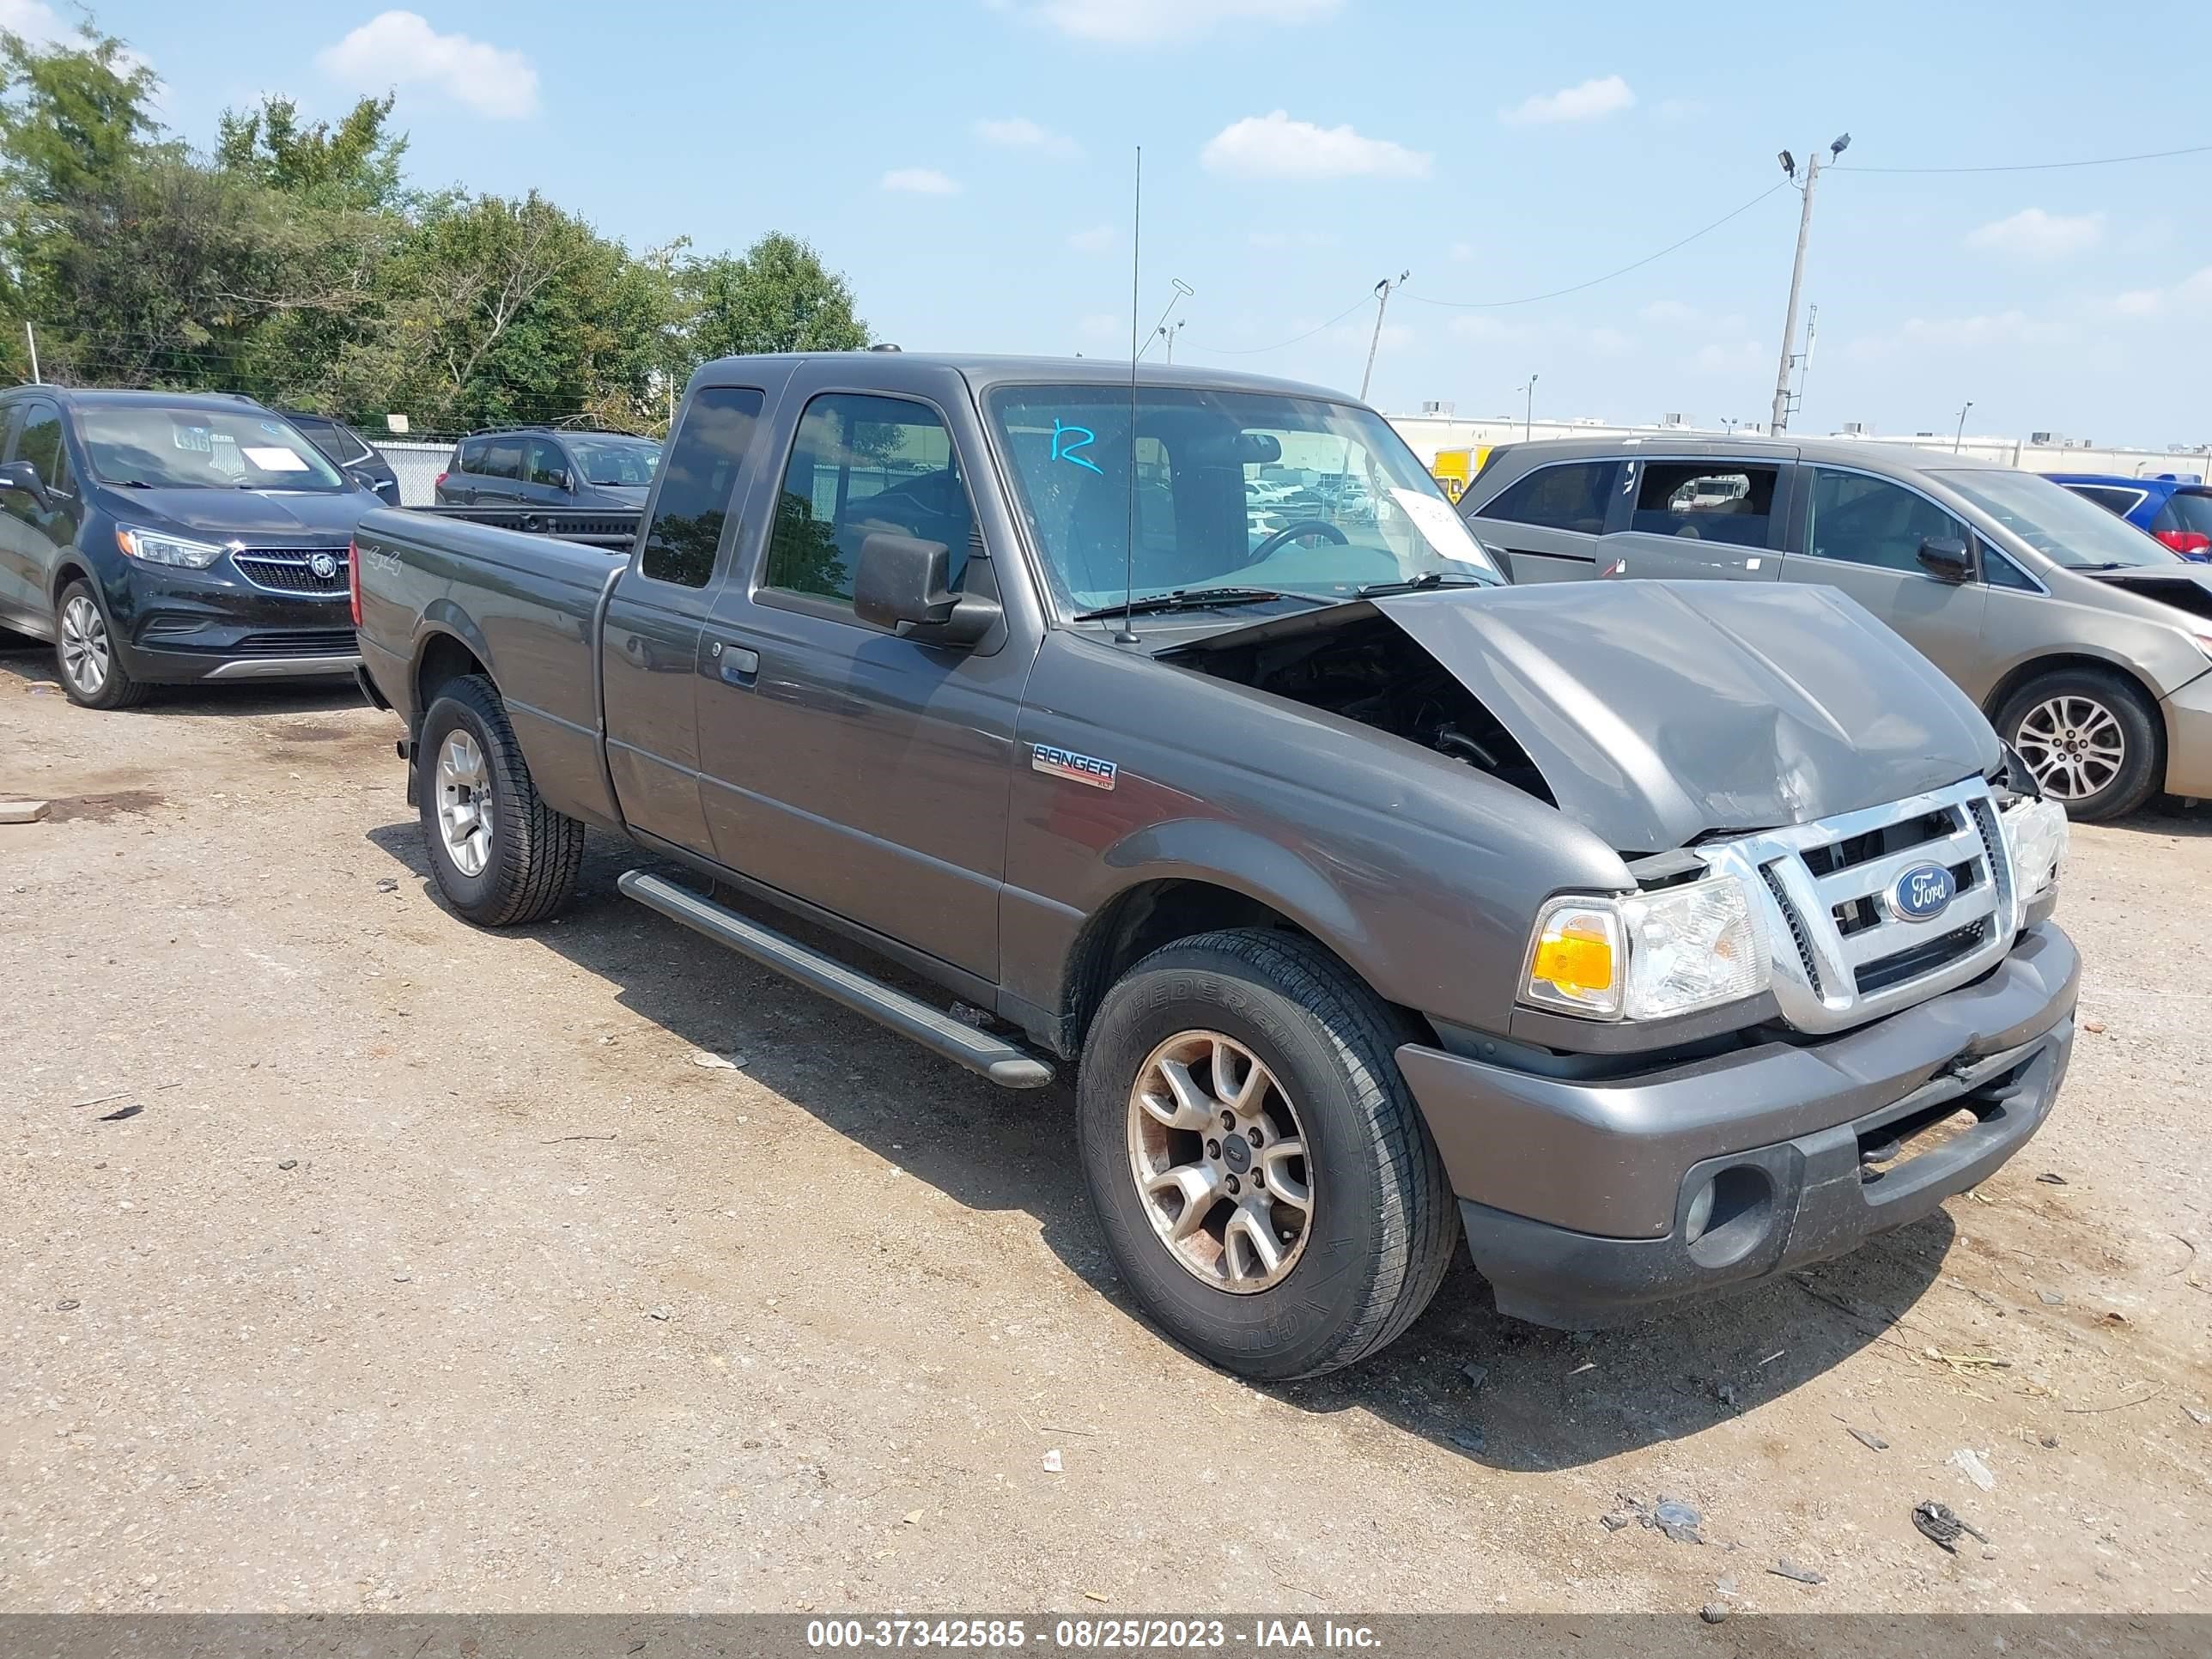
x,y
734,664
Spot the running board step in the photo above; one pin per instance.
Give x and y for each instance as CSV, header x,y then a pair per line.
x,y
1003,1062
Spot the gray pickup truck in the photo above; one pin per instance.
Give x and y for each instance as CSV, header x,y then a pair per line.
x,y
1660,937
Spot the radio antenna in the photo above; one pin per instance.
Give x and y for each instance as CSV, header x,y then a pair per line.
x,y
1127,635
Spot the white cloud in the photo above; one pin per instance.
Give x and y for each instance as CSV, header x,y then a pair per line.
x,y
2192,293
400,49
2013,327
1097,239
1017,132
2032,233
1274,146
1584,103
920,181
36,21
1606,342
1139,22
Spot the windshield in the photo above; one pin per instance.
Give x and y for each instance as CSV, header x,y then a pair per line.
x,y
2055,521
193,448
1233,490
616,461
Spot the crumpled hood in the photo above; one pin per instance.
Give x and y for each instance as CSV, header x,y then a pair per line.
x,y
225,515
1658,712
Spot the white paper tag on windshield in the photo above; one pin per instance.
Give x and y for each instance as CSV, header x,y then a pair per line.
x,y
1434,518
278,458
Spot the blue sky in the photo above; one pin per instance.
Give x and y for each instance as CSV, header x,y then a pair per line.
x,y
966,164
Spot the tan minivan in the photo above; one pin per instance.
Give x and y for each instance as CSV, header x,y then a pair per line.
x,y
2088,643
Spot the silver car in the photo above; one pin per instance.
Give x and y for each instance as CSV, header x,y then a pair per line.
x,y
2088,645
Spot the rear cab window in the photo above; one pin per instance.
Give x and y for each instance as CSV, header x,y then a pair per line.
x,y
699,476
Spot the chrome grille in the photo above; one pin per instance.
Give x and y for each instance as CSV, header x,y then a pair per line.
x,y
1828,887
292,569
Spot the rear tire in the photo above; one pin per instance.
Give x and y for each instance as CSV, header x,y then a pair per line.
x,y
84,654
1360,1258
2094,745
500,856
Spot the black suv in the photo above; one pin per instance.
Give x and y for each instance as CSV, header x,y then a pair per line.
x,y
158,537
362,460
542,466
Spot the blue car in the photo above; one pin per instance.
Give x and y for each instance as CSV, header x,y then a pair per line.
x,y
2177,511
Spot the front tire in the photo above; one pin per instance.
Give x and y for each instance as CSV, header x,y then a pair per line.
x,y
500,856
91,672
2093,744
1308,1221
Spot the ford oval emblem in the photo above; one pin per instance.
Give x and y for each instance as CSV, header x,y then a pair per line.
x,y
324,567
1922,893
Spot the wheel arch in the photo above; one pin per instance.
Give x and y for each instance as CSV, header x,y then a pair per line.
x,y
2036,668
1165,900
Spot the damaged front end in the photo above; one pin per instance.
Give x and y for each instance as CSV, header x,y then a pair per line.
x,y
1806,805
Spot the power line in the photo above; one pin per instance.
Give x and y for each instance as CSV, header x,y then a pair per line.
x,y
1254,351
2038,166
1558,293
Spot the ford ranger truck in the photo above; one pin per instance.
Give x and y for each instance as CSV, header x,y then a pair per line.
x,y
1655,938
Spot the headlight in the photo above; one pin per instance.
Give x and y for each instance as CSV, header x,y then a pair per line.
x,y
152,547
2035,834
1649,956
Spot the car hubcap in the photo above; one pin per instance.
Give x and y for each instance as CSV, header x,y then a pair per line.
x,y
465,816
2075,747
1220,1162
84,645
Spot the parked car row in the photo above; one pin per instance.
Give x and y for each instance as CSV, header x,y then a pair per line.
x,y
2175,511
2085,641
162,537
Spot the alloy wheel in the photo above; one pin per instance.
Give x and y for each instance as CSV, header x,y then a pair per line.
x,y
1220,1162
85,651
2075,745
464,804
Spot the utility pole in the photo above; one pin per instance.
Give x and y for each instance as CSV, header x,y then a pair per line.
x,y
1529,413
32,340
1382,304
1960,437
1781,419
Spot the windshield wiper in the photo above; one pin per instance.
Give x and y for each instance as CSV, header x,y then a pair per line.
x,y
1426,578
1194,598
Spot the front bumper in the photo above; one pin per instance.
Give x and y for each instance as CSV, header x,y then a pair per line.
x,y
1576,1197
2188,740
173,626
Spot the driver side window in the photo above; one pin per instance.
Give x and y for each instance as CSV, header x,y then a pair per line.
x,y
863,463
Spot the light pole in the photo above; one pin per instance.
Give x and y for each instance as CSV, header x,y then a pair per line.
x,y
1168,334
1528,412
1797,272
1960,437
1382,304
1182,291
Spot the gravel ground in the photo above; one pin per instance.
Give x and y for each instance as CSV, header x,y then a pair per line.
x,y
353,1259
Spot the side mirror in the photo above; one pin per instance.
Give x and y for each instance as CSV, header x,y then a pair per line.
x,y
24,475
565,482
1947,558
902,580
364,480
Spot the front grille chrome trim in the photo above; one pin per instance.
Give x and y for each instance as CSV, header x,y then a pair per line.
x,y
1815,965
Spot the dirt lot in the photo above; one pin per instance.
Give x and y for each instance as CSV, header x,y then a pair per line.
x,y
354,1259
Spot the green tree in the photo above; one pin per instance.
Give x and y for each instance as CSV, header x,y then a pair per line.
x,y
775,297
355,164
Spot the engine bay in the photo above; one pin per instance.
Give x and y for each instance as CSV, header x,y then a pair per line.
x,y
1369,670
